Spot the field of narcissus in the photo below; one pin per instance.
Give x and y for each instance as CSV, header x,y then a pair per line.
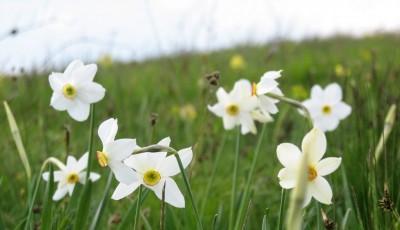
x,y
292,135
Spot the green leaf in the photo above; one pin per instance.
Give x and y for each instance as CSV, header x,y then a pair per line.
x,y
102,204
127,219
84,205
48,202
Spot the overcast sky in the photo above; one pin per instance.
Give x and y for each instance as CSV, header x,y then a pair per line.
x,y
49,34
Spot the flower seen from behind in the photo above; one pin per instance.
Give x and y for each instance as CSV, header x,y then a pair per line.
x,y
114,152
69,175
290,156
74,90
326,106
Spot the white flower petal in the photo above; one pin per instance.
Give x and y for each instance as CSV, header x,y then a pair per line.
x,y
241,89
326,123
170,166
173,195
317,93
94,176
124,190
287,178
341,110
60,193
314,107
74,65
262,117
272,74
165,142
307,199
333,93
267,105
82,162
71,163
328,165
57,81
70,188
288,154
229,122
143,161
91,92
120,149
108,130
123,173
57,176
321,190
314,144
218,109
266,85
84,74
222,95
79,111
59,102
247,124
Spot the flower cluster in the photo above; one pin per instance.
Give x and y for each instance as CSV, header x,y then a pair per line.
x,y
248,102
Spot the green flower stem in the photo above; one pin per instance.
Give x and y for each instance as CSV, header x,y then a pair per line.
x,y
294,103
249,178
102,204
281,207
162,214
212,177
138,204
90,147
234,180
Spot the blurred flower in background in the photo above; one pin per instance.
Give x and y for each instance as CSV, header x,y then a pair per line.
x,y
187,112
237,62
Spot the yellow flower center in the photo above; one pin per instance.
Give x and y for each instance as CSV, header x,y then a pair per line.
x,y
72,178
326,109
254,89
232,109
102,158
151,177
69,91
312,173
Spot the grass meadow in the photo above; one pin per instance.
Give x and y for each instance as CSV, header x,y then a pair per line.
x,y
169,97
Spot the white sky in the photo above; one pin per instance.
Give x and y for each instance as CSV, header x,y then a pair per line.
x,y
52,33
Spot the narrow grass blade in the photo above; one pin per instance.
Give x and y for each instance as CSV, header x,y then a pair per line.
x,y
127,220
18,141
188,188
264,225
281,208
162,214
84,207
387,129
146,223
250,177
345,219
138,204
214,222
102,204
47,215
234,180
90,147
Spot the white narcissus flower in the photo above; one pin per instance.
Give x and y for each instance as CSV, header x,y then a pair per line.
x,y
155,170
236,107
74,90
69,175
267,84
326,107
114,152
290,157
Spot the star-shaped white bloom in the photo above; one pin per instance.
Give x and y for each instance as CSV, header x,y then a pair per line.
x,y
74,90
155,170
69,175
290,157
267,84
236,107
115,151
326,107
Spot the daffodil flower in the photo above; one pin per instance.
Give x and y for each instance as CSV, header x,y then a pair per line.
x,y
290,157
267,84
236,107
326,107
74,90
154,171
114,152
69,175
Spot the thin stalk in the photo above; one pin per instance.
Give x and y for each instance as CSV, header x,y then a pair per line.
x,y
90,147
294,103
318,216
234,181
185,179
281,208
162,214
250,177
138,204
214,171
102,204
